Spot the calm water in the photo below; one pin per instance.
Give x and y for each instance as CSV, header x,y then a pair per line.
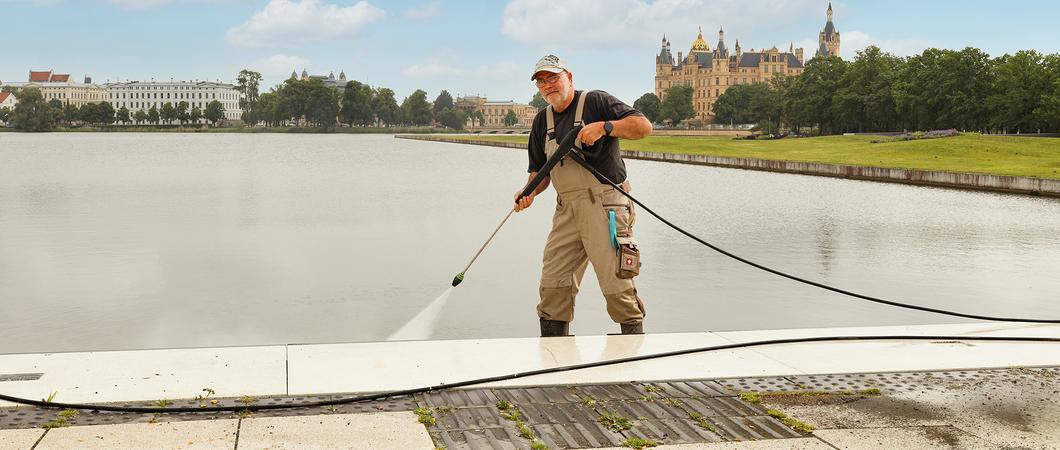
x,y
126,241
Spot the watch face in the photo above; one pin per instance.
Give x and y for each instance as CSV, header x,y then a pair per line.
x,y
608,127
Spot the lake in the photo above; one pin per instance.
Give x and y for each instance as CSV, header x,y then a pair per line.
x,y
113,241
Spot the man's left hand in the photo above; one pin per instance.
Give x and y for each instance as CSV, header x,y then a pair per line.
x,y
591,133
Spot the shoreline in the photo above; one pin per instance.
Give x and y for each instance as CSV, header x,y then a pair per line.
x,y
1044,187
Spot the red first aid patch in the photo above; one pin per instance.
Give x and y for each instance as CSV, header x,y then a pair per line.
x,y
629,261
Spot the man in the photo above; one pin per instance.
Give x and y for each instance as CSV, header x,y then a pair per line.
x,y
587,208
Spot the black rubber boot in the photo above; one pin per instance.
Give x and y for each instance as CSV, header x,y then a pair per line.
x,y
634,328
552,328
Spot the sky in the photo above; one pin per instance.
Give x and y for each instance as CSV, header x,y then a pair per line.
x,y
485,48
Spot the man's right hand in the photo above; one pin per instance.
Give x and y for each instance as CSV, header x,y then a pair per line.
x,y
523,203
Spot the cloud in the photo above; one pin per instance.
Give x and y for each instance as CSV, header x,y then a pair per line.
x,y
443,64
853,41
287,22
280,65
429,9
557,24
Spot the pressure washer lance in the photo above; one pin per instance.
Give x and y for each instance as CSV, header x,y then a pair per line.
x,y
565,147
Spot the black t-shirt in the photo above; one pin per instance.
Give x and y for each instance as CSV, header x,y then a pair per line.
x,y
599,106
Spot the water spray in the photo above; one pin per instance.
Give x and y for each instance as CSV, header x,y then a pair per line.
x,y
565,147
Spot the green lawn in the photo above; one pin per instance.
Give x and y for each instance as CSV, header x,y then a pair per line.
x,y
974,153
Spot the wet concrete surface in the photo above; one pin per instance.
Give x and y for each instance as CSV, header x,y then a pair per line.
x,y
1015,408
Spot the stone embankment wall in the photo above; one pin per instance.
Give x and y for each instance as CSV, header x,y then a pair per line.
x,y
1022,185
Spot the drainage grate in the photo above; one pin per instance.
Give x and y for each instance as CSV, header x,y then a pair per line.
x,y
20,376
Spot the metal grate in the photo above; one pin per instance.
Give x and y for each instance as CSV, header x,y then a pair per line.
x,y
20,376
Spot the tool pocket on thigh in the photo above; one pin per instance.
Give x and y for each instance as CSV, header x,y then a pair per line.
x,y
621,231
628,257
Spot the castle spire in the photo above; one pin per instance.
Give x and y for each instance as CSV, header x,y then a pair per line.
x,y
829,11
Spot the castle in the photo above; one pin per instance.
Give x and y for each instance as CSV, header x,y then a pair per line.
x,y
329,79
711,72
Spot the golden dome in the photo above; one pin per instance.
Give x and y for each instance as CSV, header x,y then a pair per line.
x,y
699,44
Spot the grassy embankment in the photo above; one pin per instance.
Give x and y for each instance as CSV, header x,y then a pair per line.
x,y
970,153
205,129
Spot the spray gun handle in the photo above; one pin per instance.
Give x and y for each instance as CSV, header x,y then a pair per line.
x,y
564,148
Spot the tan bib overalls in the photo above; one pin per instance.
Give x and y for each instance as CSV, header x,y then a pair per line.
x,y
580,235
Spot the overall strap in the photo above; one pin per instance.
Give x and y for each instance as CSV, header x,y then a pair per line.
x,y
578,115
550,124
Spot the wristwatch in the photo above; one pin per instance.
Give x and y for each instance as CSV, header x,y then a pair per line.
x,y
608,126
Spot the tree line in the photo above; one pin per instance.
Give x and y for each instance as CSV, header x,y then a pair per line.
x,y
313,103
33,113
937,89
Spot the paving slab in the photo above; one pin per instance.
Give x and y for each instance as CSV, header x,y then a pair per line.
x,y
83,377
894,356
374,367
193,435
19,439
910,437
377,431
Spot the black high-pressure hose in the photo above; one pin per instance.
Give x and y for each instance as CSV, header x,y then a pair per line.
x,y
577,158
512,376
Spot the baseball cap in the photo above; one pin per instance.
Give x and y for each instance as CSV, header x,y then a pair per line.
x,y
549,63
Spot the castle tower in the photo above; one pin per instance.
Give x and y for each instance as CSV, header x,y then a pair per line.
x,y
664,67
721,52
828,40
700,45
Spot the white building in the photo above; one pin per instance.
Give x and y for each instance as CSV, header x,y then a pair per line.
x,y
142,95
7,100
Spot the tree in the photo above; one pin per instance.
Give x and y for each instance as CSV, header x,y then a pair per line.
x,y
88,113
1049,111
5,114
167,113
357,104
864,100
452,118
734,106
59,112
443,102
510,119
476,116
321,104
648,104
944,89
122,115
152,115
140,116
385,106
70,112
182,112
678,104
195,114
1018,86
104,113
539,102
269,110
416,109
247,82
31,112
809,98
215,111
